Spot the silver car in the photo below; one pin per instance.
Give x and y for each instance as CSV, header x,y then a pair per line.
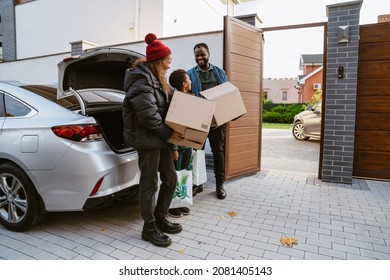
x,y
66,153
307,123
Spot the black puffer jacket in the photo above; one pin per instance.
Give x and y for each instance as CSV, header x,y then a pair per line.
x,y
144,109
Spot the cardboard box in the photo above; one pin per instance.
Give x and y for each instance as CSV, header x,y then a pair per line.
x,y
192,117
229,103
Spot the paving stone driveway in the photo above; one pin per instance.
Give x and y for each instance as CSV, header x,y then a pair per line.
x,y
330,221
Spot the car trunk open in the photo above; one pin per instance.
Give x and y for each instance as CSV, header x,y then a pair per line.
x,y
111,122
96,79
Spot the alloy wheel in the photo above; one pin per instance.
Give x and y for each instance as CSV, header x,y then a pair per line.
x,y
299,131
13,199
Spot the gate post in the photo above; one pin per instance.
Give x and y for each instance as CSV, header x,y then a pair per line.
x,y
341,90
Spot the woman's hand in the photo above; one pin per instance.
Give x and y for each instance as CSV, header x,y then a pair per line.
x,y
177,136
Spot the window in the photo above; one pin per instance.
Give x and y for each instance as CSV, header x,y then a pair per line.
x,y
316,86
1,49
284,95
2,111
14,108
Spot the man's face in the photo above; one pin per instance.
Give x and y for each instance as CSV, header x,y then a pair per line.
x,y
201,57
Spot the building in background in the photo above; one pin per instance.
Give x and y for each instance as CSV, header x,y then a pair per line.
x,y
384,18
312,79
281,90
39,28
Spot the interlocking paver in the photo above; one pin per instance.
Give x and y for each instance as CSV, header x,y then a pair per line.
x,y
330,221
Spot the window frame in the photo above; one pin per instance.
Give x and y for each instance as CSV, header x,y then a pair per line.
x,y
32,111
284,95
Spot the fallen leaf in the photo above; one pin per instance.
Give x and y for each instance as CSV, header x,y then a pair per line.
x,y
222,217
289,241
103,229
181,251
232,213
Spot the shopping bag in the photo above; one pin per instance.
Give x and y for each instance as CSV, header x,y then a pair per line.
x,y
199,173
182,197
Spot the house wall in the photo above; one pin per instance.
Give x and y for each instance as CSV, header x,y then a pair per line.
x,y
275,88
310,68
46,27
307,90
43,69
182,17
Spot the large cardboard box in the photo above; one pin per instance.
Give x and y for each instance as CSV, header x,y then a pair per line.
x,y
229,103
192,117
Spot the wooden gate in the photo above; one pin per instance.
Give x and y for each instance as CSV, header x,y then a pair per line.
x,y
243,61
372,135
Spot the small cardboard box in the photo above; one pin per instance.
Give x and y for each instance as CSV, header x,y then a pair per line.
x,y
229,103
192,117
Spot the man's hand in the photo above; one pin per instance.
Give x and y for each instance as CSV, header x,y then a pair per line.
x,y
175,155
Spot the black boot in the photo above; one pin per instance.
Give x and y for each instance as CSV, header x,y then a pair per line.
x,y
196,189
166,226
152,233
221,193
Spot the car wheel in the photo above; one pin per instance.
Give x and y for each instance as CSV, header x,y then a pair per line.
x,y
298,131
20,207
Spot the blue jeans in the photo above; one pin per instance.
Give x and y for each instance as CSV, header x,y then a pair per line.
x,y
151,161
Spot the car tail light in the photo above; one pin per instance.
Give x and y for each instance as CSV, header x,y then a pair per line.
x,y
79,133
97,186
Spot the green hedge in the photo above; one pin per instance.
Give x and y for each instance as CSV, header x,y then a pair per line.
x,y
281,113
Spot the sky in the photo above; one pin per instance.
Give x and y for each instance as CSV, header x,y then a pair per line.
x,y
282,49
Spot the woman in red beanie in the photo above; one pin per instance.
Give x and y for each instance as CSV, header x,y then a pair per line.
x,y
144,109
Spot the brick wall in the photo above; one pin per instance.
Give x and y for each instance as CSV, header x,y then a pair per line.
x,y
7,29
340,101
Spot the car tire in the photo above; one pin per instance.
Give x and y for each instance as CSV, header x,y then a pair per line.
x,y
20,205
298,131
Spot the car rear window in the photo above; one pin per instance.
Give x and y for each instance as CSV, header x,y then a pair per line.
x,y
50,93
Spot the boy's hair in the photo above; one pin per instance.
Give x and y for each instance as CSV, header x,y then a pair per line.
x,y
204,45
177,78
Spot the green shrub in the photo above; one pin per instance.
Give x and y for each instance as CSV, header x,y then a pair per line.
x,y
281,113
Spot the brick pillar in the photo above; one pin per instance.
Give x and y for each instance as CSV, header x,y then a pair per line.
x,y
78,47
8,30
340,100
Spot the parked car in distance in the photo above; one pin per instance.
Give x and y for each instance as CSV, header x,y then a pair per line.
x,y
66,153
307,123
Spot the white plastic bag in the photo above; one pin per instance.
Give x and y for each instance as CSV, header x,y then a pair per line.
x,y
199,173
182,197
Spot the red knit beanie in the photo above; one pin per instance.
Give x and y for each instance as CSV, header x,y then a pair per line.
x,y
155,48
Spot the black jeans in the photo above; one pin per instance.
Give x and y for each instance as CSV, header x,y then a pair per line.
x,y
151,161
217,143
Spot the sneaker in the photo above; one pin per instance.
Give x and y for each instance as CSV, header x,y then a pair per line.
x,y
185,210
175,212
